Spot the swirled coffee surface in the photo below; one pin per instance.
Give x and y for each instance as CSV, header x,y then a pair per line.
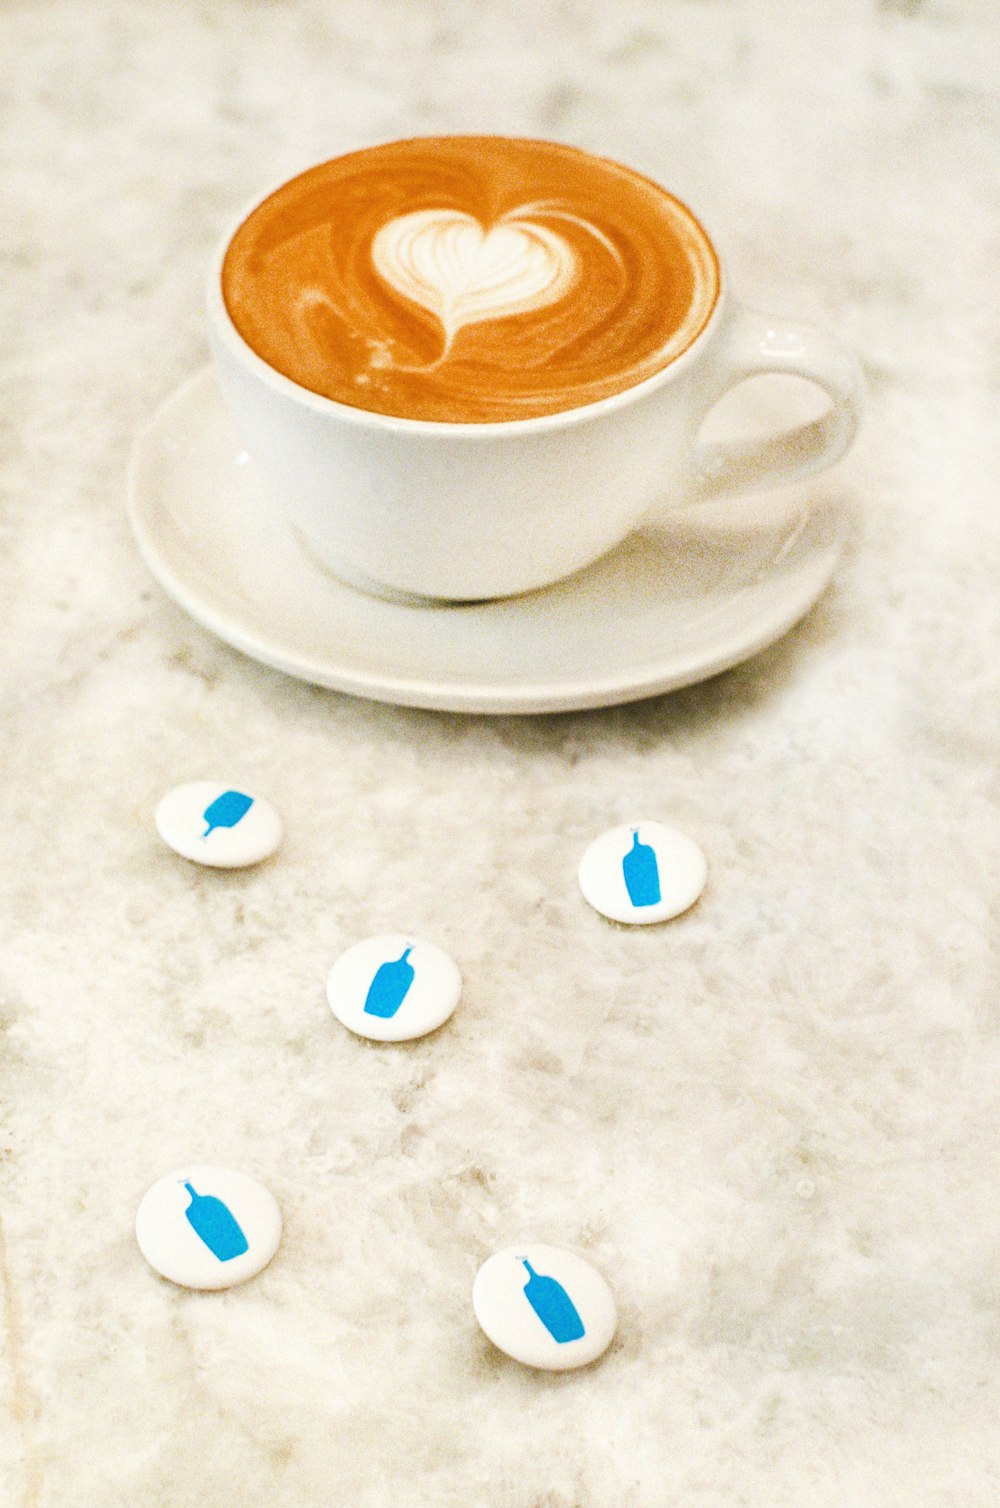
x,y
469,278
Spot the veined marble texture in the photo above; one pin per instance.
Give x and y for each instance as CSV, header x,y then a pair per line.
x,y
773,1123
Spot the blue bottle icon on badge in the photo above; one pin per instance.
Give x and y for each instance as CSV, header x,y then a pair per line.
x,y
390,986
225,811
216,1225
641,872
553,1305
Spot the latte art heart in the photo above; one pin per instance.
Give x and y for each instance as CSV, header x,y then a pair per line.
x,y
448,263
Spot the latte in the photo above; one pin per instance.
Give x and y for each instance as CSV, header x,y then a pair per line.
x,y
469,279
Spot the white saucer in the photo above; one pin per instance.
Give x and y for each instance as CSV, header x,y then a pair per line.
x,y
665,610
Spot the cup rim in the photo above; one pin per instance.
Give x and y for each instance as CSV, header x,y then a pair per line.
x,y
223,327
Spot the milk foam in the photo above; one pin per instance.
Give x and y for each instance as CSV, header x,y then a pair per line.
x,y
445,261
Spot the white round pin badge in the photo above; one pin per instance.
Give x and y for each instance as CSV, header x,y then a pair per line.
x,y
208,1227
223,826
393,987
642,872
544,1306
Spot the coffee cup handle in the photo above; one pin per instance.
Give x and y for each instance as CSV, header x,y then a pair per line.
x,y
758,344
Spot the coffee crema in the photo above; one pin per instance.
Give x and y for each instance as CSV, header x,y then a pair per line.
x,y
469,279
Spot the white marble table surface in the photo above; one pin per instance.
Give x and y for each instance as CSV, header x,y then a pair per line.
x,y
773,1124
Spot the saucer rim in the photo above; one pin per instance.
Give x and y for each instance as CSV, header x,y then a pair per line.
x,y
424,693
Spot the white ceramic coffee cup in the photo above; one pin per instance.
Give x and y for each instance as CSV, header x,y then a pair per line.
x,y
470,511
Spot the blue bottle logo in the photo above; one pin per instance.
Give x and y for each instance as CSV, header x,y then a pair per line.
x,y
225,811
216,1225
553,1306
641,873
390,986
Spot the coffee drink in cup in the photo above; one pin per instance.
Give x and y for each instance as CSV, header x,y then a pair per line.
x,y
470,279
468,366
